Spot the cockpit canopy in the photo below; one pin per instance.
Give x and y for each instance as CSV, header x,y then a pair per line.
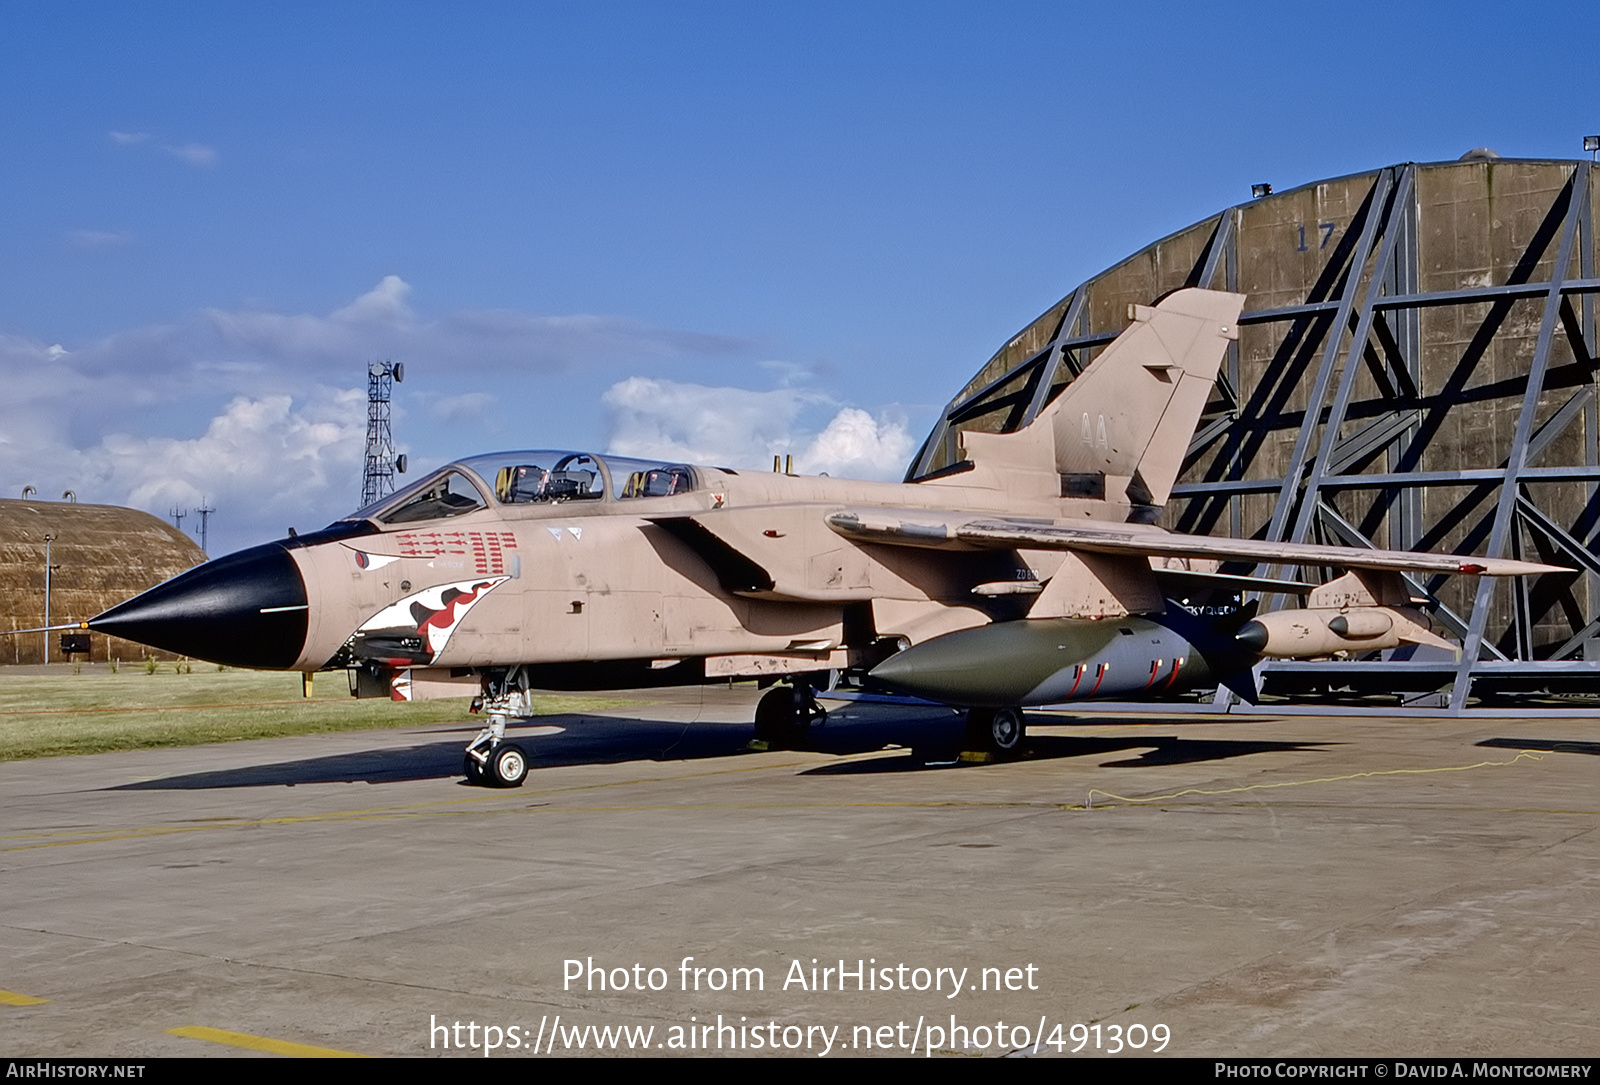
x,y
445,494
574,476
529,478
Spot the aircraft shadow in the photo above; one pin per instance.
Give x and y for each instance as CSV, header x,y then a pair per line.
x,y
1171,750
581,740
1547,744
432,761
933,739
1158,750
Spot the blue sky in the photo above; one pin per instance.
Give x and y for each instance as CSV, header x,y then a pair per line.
x,y
703,230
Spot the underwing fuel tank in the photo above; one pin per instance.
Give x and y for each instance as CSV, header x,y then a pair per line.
x,y
1047,661
1303,634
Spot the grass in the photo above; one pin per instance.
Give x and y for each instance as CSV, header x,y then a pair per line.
x,y
95,711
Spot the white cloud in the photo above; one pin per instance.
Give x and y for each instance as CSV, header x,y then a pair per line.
x,y
241,406
97,239
382,324
493,338
264,462
268,463
698,424
857,445
676,421
195,154
287,348
383,304
468,408
790,374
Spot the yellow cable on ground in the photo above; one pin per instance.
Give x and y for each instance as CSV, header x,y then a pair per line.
x,y
1088,803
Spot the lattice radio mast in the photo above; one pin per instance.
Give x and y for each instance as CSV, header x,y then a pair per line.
x,y
204,511
382,465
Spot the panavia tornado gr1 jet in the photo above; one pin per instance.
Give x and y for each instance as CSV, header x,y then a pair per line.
x,y
1022,575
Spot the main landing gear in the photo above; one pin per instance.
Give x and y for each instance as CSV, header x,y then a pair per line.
x,y
785,714
491,761
996,731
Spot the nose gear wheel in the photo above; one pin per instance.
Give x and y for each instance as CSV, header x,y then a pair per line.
x,y
491,760
785,715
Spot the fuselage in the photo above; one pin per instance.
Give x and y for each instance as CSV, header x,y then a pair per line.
x,y
560,558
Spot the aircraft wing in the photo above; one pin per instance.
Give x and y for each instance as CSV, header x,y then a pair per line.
x,y
920,528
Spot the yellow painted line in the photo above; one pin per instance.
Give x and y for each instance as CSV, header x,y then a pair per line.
x,y
108,836
932,804
519,800
262,1043
1089,802
11,998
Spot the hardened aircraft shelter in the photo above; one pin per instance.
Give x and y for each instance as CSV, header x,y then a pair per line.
x,y
99,555
1415,370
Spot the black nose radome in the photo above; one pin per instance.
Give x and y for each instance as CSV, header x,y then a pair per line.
x,y
245,610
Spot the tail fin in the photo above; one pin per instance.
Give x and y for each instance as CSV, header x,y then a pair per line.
x,y
1121,428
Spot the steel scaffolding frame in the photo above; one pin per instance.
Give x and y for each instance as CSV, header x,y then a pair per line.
x,y
1354,475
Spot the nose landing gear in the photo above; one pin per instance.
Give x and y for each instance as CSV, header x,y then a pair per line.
x,y
491,761
785,714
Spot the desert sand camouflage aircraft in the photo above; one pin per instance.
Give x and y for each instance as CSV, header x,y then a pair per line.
x,y
1022,575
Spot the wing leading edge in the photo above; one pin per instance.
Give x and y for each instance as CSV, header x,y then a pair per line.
x,y
896,528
